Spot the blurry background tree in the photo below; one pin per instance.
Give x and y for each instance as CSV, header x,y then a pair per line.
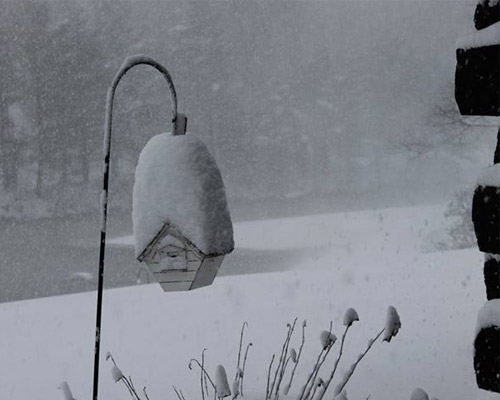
x,y
320,104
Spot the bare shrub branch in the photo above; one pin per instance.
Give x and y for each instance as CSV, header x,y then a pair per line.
x,y
351,370
327,384
242,375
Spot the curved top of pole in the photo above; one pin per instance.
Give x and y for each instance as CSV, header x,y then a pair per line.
x,y
129,63
138,59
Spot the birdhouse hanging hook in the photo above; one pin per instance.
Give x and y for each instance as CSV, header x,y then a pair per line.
x,y
179,120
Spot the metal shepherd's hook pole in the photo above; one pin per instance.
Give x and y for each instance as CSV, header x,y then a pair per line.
x,y
178,127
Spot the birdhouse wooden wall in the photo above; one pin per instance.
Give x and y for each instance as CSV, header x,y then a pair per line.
x,y
177,264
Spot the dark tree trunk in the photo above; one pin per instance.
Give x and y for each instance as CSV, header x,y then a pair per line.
x,y
487,359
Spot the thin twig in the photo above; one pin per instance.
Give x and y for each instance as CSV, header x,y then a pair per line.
x,y
298,356
285,360
145,393
269,377
318,365
278,375
276,395
327,384
243,368
281,360
239,350
202,374
125,382
353,367
131,382
133,387
203,369
130,387
109,355
177,393
319,382
304,388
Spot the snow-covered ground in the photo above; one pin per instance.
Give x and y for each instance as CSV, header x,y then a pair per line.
x,y
366,260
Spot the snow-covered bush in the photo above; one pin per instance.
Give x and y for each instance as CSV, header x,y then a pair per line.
x,y
315,387
280,375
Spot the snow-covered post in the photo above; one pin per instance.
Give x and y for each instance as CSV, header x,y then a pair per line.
x,y
477,92
202,247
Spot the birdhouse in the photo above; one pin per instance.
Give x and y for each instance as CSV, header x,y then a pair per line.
x,y
487,347
486,210
182,225
477,75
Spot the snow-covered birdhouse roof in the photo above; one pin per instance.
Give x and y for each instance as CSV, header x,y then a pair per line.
x,y
178,184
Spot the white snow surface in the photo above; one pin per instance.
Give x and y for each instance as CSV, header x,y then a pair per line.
x,y
489,176
489,315
363,261
485,37
181,172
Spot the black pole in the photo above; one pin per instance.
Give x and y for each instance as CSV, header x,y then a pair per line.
x,y
127,65
496,158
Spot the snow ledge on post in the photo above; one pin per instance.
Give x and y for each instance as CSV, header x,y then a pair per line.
x,y
488,316
489,176
489,36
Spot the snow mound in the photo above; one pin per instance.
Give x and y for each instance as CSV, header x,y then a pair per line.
x,y
116,373
66,391
419,394
489,315
221,383
485,37
350,316
327,339
181,172
392,324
